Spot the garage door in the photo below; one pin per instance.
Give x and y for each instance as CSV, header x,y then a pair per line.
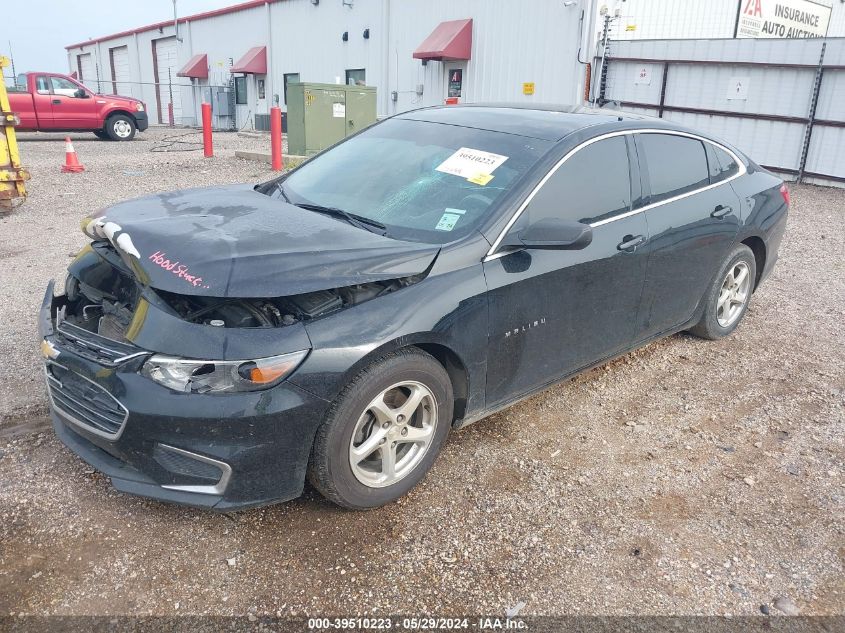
x,y
85,68
120,71
166,59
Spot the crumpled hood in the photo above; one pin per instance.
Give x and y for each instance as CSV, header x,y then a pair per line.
x,y
235,242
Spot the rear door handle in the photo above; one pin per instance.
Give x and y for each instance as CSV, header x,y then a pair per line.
x,y
720,211
57,101
630,242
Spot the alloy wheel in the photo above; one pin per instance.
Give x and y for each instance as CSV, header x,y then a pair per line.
x,y
734,294
393,434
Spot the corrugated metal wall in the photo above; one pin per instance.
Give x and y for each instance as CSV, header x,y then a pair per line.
x,y
755,94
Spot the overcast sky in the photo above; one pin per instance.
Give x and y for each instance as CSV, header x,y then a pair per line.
x,y
40,29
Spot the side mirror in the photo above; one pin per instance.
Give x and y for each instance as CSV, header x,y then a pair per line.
x,y
552,234
80,94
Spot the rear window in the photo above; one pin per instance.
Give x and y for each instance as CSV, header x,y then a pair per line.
x,y
676,164
424,181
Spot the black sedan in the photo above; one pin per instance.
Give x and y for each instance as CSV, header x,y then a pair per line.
x,y
216,347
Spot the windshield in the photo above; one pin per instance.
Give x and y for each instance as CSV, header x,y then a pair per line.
x,y
426,182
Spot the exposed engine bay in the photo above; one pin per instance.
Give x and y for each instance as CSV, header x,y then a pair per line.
x,y
102,294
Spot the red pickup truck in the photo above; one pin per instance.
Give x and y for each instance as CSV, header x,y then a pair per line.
x,y
50,102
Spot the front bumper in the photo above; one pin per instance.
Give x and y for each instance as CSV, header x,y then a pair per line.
x,y
142,121
223,452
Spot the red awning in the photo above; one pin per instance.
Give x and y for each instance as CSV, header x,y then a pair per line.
x,y
196,68
255,62
450,40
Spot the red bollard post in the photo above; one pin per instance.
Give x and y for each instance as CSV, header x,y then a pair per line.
x,y
276,138
207,148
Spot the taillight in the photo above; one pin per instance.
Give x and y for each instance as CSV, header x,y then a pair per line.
x,y
784,191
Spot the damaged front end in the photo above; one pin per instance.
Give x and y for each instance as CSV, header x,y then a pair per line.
x,y
103,297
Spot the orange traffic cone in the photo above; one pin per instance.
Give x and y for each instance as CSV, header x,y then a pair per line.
x,y
72,164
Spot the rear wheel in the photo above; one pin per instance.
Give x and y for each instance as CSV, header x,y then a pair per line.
x,y
120,127
384,431
727,299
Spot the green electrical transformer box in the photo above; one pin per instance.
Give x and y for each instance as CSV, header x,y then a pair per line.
x,y
320,115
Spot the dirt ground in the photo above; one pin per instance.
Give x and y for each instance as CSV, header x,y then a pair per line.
x,y
689,477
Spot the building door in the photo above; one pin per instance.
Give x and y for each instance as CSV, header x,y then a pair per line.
x,y
165,67
243,110
119,59
87,72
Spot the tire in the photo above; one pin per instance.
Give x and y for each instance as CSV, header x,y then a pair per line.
x,y
715,322
360,483
101,134
120,127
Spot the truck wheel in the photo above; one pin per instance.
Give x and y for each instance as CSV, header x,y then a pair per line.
x,y
120,127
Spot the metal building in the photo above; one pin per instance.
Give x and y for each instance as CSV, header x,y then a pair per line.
x,y
415,52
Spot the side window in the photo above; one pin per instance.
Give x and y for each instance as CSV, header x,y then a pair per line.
x,y
722,164
63,87
42,85
676,164
593,184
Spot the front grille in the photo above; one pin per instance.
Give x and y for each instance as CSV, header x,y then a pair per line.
x,y
94,347
85,403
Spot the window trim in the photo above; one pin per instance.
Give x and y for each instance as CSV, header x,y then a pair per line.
x,y
492,254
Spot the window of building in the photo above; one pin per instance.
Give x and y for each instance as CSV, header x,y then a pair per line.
x,y
240,90
593,184
356,77
289,78
676,164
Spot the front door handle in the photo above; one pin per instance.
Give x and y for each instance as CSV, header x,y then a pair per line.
x,y
57,101
629,243
720,211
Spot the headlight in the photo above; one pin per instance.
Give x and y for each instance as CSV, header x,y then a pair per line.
x,y
139,107
221,376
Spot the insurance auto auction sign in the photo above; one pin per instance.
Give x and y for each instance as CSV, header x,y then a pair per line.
x,y
788,19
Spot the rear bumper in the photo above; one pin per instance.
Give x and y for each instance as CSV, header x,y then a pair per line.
x,y
223,452
142,121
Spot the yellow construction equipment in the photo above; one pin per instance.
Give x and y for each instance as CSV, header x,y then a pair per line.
x,y
12,175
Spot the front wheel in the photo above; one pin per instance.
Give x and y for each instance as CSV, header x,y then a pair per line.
x,y
384,431
120,127
727,299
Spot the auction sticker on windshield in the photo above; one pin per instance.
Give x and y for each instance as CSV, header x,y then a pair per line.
x,y
471,163
449,219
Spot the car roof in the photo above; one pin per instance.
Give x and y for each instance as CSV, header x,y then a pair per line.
x,y
547,122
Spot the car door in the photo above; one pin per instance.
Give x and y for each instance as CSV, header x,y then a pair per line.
x,y
42,101
693,219
553,312
70,110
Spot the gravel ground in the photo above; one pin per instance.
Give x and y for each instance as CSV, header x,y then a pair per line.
x,y
689,477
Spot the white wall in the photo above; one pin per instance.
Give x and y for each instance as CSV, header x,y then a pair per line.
x,y
513,42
